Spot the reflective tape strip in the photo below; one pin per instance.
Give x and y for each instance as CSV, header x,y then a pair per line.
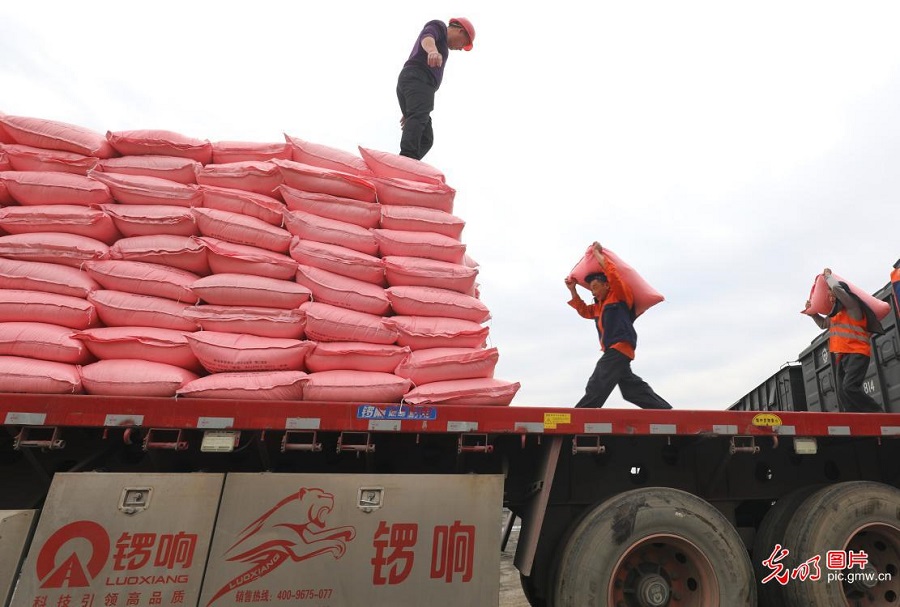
x,y
724,429
385,425
663,429
786,430
536,427
302,423
215,422
839,430
123,420
25,419
890,430
598,428
462,426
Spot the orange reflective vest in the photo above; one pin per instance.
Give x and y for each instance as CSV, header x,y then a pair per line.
x,y
895,281
848,336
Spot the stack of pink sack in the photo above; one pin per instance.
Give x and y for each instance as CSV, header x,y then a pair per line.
x,y
149,263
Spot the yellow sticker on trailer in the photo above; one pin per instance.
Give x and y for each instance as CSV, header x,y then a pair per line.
x,y
551,420
766,419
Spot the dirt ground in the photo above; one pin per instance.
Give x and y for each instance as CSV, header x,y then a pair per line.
x,y
510,588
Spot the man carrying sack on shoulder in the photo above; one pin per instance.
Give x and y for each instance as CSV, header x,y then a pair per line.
x,y
850,325
613,313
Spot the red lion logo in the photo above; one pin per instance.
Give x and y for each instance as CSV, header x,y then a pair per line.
x,y
286,538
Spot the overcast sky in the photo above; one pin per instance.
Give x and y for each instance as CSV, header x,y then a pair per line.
x,y
726,151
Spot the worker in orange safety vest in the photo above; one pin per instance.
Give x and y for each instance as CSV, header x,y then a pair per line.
x,y
849,326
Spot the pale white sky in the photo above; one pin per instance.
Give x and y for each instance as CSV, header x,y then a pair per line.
x,y
728,152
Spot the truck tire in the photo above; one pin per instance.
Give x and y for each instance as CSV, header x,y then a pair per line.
x,y
529,592
858,516
771,532
654,547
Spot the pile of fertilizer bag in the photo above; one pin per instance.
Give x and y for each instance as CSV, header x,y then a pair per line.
x,y
149,263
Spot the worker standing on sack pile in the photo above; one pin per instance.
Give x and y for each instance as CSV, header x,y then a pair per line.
x,y
421,77
849,325
613,312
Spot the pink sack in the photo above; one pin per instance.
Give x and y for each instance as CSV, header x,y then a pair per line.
x,y
54,135
270,210
355,356
645,296
264,322
5,198
388,165
152,219
31,376
355,386
415,193
326,157
52,247
143,278
325,322
171,168
427,245
27,158
314,179
330,231
339,260
46,277
246,151
139,189
141,343
343,292
42,341
226,257
230,352
120,309
160,143
421,219
182,252
818,296
252,176
445,364
4,160
414,271
246,290
242,229
65,218
45,187
430,301
357,212
420,332
472,392
259,385
38,306
134,378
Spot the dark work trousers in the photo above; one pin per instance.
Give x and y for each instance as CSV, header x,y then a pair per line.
x,y
415,92
851,371
614,368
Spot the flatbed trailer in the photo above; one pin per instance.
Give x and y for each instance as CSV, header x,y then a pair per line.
x,y
616,506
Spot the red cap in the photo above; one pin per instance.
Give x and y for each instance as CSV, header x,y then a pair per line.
x,y
470,30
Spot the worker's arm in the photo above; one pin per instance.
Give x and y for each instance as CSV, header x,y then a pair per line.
x,y
618,287
820,320
434,57
843,296
584,310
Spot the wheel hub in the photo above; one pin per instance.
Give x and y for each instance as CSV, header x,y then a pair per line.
x,y
867,579
653,591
